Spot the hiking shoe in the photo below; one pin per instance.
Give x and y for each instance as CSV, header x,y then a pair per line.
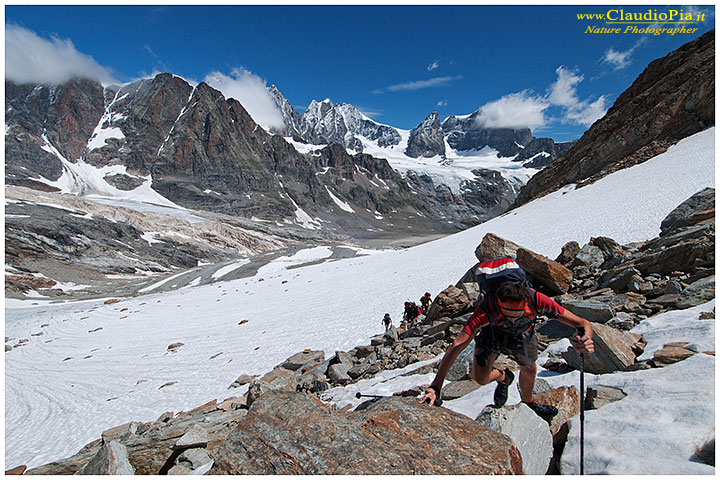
x,y
501,391
545,411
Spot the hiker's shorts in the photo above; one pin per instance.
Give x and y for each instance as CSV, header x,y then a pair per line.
x,y
486,345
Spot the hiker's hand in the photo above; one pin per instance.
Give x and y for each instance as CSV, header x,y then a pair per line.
x,y
429,397
583,344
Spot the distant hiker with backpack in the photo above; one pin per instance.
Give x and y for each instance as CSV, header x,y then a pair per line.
x,y
412,311
504,322
425,301
387,321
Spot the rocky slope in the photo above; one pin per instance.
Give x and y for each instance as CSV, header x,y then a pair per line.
x,y
673,98
283,425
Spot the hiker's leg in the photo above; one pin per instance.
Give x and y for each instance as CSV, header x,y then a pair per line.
x,y
527,381
485,373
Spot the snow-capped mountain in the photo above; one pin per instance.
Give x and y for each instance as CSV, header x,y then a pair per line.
x,y
324,123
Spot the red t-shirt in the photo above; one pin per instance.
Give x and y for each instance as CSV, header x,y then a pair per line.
x,y
544,305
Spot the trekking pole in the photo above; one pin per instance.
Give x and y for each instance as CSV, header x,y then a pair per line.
x,y
438,402
581,333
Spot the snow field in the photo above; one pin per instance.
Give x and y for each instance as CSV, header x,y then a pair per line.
x,y
120,373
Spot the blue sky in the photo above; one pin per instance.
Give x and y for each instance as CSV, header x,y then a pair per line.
x,y
525,65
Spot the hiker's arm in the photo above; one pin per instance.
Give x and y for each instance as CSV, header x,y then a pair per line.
x,y
451,354
582,344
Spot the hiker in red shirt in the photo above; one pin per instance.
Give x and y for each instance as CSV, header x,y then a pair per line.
x,y
506,322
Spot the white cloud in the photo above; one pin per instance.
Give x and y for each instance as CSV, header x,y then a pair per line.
x,y
526,110
516,110
587,113
435,64
619,60
251,91
442,103
417,85
563,93
32,59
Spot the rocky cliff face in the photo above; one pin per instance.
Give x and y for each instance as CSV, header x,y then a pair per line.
x,y
427,139
467,133
673,98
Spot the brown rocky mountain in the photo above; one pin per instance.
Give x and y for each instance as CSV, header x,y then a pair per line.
x,y
204,151
673,98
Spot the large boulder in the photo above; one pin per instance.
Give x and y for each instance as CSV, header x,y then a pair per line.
x,y
697,293
493,246
698,209
615,350
301,359
529,433
111,459
566,400
290,433
554,276
451,302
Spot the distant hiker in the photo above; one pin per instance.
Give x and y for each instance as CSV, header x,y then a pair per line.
x,y
387,321
412,311
505,323
425,301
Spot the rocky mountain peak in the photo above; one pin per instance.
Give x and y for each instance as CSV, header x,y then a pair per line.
x,y
427,139
469,133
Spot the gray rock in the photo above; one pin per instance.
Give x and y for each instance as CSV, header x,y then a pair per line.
x,y
358,370
391,334
568,253
589,256
460,370
622,321
615,350
111,459
591,310
600,395
338,374
301,359
242,380
342,357
697,293
673,287
530,434
458,389
638,285
194,458
618,281
698,208
706,452
179,470
471,290
195,437
256,389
